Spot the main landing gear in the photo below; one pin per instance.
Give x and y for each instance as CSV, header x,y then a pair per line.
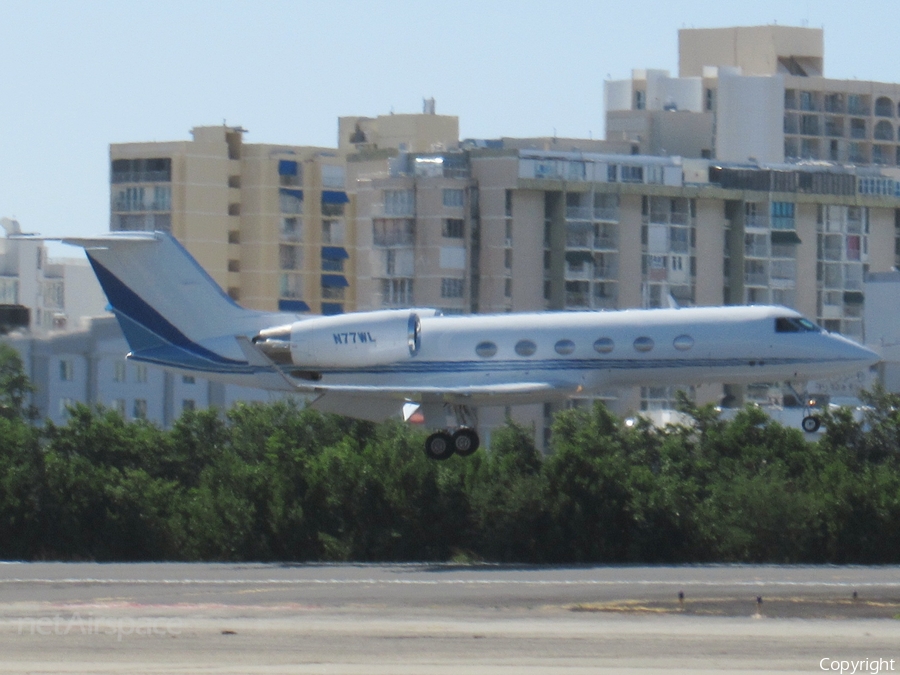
x,y
442,444
463,441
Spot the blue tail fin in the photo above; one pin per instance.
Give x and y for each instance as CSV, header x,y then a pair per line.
x,y
170,310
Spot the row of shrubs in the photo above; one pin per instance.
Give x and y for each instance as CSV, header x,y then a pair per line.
x,y
280,482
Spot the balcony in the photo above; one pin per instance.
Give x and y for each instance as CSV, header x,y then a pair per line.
x,y
607,213
834,127
141,177
756,250
606,242
784,270
578,213
809,125
759,222
608,272
579,236
756,279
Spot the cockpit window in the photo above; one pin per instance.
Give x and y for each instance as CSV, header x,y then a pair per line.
x,y
790,324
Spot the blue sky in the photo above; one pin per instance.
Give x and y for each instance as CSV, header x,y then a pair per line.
x,y
78,75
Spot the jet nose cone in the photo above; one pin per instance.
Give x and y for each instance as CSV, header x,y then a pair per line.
x,y
853,351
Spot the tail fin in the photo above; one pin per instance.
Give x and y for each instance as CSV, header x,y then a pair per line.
x,y
170,310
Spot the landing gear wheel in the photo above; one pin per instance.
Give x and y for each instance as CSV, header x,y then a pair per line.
x,y
439,446
810,424
465,441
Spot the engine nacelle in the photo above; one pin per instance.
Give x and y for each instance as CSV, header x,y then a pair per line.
x,y
345,340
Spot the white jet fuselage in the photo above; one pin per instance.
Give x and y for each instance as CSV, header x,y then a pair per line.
x,y
585,352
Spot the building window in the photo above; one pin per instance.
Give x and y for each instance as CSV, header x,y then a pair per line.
x,y
454,228
632,174
188,405
119,372
139,411
290,201
399,202
507,288
151,170
331,209
140,372
289,173
332,232
234,209
396,292
329,265
393,232
451,288
507,258
234,182
639,100
119,406
290,286
289,257
454,198
188,379
333,292
66,370
234,265
782,215
234,237
234,293
291,229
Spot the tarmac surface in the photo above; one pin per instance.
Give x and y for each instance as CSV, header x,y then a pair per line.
x,y
433,619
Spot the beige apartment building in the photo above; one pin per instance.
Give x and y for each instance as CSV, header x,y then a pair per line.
x,y
270,223
755,93
497,229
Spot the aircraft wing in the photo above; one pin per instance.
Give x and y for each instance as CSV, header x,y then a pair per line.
x,y
380,403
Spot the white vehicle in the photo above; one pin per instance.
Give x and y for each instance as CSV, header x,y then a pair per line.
x,y
378,364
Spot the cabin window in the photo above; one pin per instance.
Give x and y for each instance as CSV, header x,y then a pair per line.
x,y
683,342
790,324
525,348
564,347
486,349
643,344
604,345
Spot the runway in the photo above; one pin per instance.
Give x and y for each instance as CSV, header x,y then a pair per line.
x,y
435,619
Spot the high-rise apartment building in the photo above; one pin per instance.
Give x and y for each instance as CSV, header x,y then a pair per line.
x,y
755,93
268,222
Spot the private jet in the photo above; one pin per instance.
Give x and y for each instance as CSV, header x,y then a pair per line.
x,y
398,362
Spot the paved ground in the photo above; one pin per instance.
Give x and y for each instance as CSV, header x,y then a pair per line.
x,y
423,619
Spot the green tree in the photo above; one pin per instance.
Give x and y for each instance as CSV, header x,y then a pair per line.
x,y
15,386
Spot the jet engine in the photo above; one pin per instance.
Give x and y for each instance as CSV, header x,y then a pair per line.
x,y
346,340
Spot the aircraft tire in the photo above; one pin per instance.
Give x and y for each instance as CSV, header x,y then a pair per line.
x,y
439,446
810,424
465,441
